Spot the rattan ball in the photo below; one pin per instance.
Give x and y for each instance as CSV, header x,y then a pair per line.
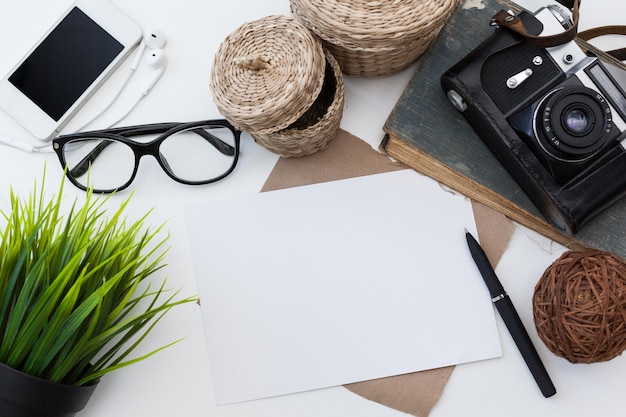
x,y
579,306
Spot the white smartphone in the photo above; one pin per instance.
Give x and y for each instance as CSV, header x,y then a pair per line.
x,y
62,71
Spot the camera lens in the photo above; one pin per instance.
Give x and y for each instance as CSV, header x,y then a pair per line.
x,y
578,120
573,123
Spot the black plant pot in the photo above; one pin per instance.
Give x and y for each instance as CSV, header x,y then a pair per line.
x,y
23,395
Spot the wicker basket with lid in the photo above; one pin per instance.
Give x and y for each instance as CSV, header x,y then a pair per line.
x,y
374,37
273,78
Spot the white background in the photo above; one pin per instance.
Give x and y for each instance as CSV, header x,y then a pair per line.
x,y
177,381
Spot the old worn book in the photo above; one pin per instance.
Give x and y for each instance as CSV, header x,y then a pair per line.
x,y
425,132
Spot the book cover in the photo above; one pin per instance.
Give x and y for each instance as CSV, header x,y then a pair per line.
x,y
425,132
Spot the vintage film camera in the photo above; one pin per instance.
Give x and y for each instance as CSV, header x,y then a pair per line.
x,y
555,117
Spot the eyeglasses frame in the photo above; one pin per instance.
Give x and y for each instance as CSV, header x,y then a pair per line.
x,y
141,149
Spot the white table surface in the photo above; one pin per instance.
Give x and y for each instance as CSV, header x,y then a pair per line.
x,y
177,381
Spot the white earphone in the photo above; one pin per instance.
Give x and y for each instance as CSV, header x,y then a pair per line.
x,y
158,62
153,39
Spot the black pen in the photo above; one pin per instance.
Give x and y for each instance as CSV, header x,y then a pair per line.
x,y
510,317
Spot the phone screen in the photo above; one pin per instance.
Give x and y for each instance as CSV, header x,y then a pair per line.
x,y
66,63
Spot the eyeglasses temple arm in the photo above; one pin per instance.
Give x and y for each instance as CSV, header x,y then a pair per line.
x,y
83,166
219,144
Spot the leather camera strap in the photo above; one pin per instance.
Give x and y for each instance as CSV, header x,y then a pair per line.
x,y
586,35
513,22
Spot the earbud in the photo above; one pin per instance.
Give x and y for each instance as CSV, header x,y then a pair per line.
x,y
153,39
157,61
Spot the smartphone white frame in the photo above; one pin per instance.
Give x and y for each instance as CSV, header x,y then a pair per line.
x,y
28,114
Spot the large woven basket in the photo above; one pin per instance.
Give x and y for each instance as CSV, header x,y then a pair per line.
x,y
372,38
273,78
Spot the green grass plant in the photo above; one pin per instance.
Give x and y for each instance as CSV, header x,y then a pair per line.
x,y
75,295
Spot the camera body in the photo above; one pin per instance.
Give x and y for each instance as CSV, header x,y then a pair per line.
x,y
555,118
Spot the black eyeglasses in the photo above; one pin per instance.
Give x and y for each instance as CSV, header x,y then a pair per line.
x,y
193,153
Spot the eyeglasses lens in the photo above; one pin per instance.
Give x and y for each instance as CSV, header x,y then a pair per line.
x,y
196,155
98,163
199,154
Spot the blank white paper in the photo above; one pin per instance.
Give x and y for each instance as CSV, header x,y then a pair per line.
x,y
340,282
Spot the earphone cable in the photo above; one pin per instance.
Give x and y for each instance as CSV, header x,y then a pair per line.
x,y
111,102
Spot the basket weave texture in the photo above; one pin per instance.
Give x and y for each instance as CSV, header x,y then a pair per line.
x,y
314,130
373,38
273,78
579,306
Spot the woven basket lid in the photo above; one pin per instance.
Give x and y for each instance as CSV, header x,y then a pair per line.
x,y
372,24
267,74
